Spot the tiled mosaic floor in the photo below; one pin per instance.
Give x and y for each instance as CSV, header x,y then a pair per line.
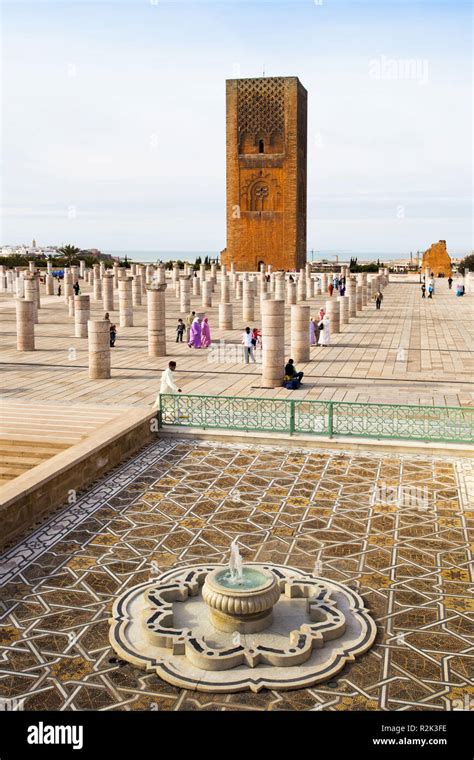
x,y
179,502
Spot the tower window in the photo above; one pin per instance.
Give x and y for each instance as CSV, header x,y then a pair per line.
x,y
261,147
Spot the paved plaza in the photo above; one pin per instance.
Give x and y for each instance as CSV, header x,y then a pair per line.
x,y
411,351
181,502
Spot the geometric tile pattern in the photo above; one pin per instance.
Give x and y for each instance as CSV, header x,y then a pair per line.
x,y
395,528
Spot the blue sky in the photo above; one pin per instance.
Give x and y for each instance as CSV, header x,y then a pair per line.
x,y
114,119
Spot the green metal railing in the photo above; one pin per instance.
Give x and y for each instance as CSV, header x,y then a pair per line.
x,y
325,418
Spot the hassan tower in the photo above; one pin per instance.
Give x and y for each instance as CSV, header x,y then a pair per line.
x,y
266,173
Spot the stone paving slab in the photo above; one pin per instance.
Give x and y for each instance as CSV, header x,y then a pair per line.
x,y
411,351
395,527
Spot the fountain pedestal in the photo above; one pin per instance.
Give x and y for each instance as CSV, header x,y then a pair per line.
x,y
242,604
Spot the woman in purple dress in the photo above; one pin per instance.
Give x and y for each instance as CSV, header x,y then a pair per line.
x,y
195,334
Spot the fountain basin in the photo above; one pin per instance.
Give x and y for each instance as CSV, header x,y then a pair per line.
x,y
244,605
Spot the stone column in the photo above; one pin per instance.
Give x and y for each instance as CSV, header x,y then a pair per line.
x,y
273,340
301,288
29,281
31,267
125,302
225,289
196,286
25,325
116,269
332,310
351,294
68,283
324,283
108,292
38,292
185,294
97,285
99,347
206,294
49,267
309,287
137,290
202,273
280,287
82,310
344,309
291,292
300,332
238,289
82,268
225,316
248,303
49,285
156,312
362,283
161,275
3,279
70,306
359,298
102,269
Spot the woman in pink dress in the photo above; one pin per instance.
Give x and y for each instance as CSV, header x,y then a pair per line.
x,y
205,333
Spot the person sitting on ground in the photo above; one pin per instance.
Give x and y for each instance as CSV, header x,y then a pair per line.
x,y
168,383
292,379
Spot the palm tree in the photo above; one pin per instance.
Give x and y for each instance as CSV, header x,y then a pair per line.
x,y
69,252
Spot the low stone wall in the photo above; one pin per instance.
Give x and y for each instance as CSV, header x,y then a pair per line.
x,y
39,492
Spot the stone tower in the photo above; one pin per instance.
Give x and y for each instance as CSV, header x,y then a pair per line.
x,y
266,173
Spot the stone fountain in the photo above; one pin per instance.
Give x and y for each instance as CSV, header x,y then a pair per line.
x,y
279,627
240,598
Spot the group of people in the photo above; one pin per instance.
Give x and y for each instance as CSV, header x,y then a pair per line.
x,y
198,331
339,284
319,331
431,287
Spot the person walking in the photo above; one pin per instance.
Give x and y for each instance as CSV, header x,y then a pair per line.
x,y
324,332
256,337
292,377
312,331
180,328
378,299
423,290
188,322
205,333
430,290
168,382
59,288
113,335
330,288
195,333
76,288
450,282
247,339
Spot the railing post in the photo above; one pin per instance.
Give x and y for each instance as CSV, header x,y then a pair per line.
x,y
292,417
159,414
330,419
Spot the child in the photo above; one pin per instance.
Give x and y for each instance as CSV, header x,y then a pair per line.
x,y
180,327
